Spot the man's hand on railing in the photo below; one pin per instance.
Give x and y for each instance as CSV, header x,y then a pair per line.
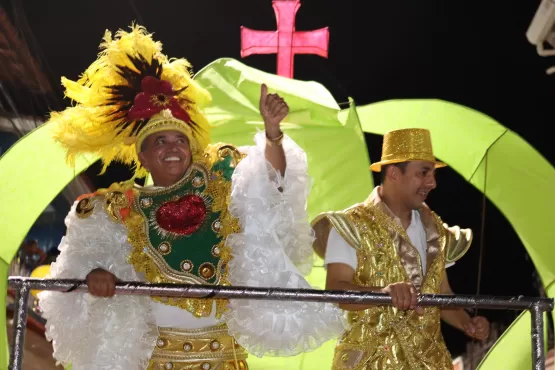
x,y
477,327
101,283
404,296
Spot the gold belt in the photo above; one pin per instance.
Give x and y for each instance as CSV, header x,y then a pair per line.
x,y
209,348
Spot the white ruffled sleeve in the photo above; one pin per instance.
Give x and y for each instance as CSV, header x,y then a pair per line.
x,y
274,250
97,333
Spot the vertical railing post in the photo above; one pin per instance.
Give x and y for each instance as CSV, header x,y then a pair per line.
x,y
19,326
538,349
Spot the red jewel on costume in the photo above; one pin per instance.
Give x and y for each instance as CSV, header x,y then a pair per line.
x,y
156,96
183,216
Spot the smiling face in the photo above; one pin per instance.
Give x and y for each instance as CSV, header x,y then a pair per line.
x,y
412,183
167,156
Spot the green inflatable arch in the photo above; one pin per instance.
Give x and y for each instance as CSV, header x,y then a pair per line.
x,y
463,138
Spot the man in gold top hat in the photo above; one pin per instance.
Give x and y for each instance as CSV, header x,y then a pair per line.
x,y
215,215
393,243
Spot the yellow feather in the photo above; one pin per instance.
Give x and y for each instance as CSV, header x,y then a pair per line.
x,y
90,127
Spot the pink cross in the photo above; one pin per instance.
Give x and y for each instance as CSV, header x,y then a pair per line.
x,y
285,42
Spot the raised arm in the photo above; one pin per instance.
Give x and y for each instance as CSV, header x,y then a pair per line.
x,y
273,110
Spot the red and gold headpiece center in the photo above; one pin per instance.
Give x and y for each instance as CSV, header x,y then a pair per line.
x,y
158,104
156,96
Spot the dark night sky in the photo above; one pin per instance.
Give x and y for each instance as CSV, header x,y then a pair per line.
x,y
474,53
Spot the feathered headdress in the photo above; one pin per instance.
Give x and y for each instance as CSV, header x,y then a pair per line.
x,y
131,91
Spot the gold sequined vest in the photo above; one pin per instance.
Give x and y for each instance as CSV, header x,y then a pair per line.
x,y
382,337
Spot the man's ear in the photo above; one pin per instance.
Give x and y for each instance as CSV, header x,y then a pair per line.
x,y
392,172
143,160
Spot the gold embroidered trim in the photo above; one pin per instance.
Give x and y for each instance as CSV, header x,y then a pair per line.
x,y
199,349
184,275
165,248
114,202
219,328
145,258
85,207
224,150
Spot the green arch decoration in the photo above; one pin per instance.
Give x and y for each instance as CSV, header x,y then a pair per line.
x,y
319,125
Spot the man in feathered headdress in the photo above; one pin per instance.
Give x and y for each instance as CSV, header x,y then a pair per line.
x,y
216,214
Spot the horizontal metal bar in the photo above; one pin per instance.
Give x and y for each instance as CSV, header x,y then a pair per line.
x,y
282,294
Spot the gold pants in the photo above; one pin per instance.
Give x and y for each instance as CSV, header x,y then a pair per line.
x,y
198,349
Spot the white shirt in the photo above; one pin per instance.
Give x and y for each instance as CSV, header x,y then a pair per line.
x,y
339,251
175,317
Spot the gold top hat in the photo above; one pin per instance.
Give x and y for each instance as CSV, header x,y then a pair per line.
x,y
410,144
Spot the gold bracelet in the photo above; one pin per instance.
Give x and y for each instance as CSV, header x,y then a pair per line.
x,y
274,141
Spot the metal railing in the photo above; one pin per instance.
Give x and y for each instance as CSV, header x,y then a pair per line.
x,y
23,285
